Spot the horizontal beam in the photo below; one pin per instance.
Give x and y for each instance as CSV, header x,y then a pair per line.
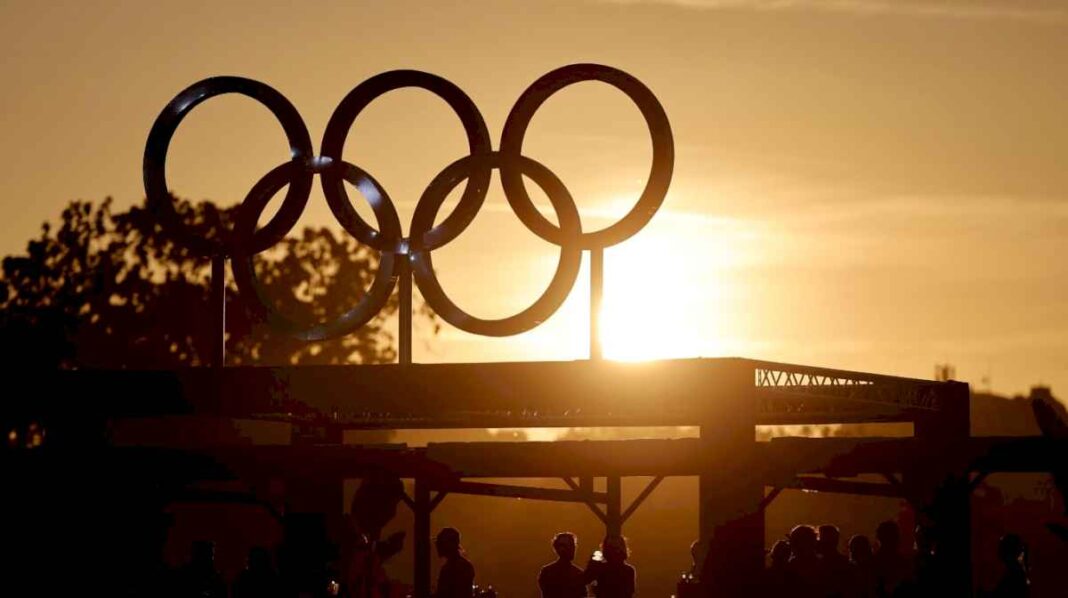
x,y
688,390
847,457
200,495
816,371
576,459
532,394
528,492
836,486
1019,454
777,462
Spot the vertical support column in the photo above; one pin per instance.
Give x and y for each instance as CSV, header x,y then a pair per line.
x,y
422,539
942,487
315,513
731,488
218,310
960,511
404,315
614,510
596,297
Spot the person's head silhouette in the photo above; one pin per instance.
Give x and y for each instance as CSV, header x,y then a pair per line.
x,y
859,549
615,549
448,542
1010,550
565,544
803,541
259,559
697,552
780,553
889,537
829,536
924,540
203,553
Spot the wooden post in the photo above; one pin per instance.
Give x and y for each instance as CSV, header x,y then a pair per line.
x,y
731,489
942,488
315,509
614,511
422,539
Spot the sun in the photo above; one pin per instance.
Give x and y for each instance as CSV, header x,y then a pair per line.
x,y
676,290
650,310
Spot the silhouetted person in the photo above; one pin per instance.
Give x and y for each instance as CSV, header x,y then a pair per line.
x,y
1014,583
373,506
862,568
777,577
891,567
689,584
457,576
928,579
835,565
199,578
614,576
697,557
365,576
805,569
258,579
561,578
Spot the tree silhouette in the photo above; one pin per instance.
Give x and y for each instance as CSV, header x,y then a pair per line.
x,y
112,289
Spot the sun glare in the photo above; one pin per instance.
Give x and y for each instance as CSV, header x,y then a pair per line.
x,y
672,291
656,306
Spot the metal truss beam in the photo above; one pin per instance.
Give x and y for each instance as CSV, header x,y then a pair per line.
x,y
801,389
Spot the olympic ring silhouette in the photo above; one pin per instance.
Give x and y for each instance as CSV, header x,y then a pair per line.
x,y
246,240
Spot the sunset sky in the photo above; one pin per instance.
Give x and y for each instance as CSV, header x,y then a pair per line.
x,y
867,184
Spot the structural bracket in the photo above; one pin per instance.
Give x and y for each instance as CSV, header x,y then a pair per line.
x,y
641,497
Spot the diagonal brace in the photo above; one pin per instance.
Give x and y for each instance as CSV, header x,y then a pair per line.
x,y
641,497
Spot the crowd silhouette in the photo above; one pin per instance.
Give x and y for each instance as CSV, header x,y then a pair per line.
x,y
806,563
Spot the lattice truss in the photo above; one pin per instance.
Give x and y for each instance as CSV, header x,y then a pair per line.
x,y
786,390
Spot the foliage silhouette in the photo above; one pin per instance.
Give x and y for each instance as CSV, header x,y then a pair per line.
x,y
110,289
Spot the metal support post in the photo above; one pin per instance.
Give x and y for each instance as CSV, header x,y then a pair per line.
x,y
218,311
596,296
404,333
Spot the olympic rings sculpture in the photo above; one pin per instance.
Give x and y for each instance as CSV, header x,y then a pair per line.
x,y
246,240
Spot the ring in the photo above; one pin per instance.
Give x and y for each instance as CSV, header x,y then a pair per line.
x,y
566,269
245,273
159,140
515,129
246,240
337,129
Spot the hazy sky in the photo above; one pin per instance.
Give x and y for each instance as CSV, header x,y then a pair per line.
x,y
877,185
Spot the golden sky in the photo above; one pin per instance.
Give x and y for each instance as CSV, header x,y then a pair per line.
x,y
865,184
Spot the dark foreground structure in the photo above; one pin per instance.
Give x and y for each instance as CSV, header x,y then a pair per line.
x,y
81,492
88,503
